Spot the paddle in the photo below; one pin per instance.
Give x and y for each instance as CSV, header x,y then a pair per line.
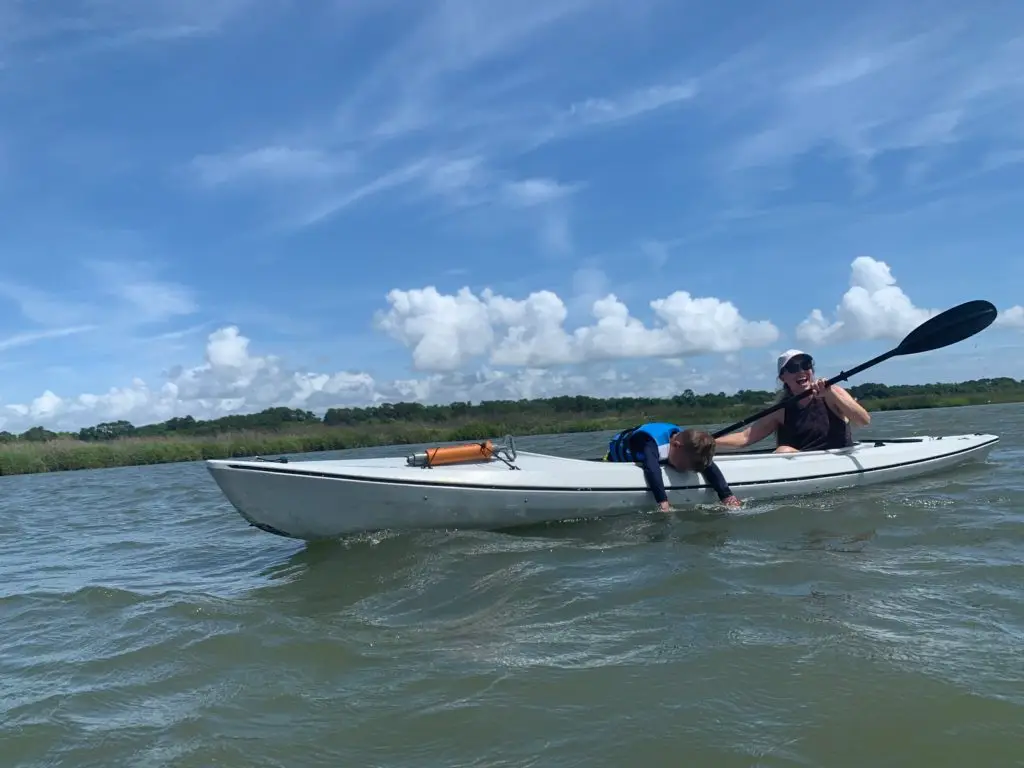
x,y
953,325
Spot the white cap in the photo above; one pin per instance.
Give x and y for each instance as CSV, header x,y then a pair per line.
x,y
788,355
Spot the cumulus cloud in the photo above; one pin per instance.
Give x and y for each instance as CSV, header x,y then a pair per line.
x,y
232,379
447,331
442,330
523,345
1012,317
874,307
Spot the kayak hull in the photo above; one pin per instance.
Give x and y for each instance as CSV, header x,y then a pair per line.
x,y
314,500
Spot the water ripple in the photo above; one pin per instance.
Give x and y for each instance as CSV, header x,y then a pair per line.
x,y
143,623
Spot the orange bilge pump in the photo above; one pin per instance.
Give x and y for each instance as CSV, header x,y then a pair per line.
x,y
466,453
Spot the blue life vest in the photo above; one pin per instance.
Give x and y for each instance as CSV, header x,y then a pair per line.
x,y
660,432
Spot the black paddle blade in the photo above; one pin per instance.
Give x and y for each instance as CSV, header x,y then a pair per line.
x,y
953,325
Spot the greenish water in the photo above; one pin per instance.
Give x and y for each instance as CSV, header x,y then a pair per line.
x,y
143,623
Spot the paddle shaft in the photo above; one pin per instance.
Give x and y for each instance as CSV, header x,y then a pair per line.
x,y
841,376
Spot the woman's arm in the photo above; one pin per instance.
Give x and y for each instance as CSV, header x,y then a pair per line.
x,y
846,405
755,433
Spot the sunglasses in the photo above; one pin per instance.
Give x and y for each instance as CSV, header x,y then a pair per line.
x,y
795,366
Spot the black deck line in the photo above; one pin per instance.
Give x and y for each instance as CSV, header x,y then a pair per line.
x,y
575,489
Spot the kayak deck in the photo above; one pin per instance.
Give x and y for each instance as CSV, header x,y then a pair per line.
x,y
545,471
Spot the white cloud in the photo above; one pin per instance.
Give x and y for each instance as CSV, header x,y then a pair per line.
x,y
459,94
532,192
458,181
31,337
608,111
445,331
32,32
549,199
395,178
112,310
882,81
415,86
232,379
143,296
273,162
524,346
42,307
598,111
874,307
123,294
1012,317
454,178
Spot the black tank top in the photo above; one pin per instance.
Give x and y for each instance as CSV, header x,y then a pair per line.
x,y
814,427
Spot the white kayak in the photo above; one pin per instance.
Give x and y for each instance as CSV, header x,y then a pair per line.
x,y
324,499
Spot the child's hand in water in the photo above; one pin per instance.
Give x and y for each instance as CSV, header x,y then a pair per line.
x,y
665,506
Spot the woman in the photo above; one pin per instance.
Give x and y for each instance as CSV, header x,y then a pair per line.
x,y
816,422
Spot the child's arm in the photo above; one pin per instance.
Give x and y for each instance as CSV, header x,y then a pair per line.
x,y
652,474
714,476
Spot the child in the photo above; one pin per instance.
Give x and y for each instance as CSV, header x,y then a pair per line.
x,y
688,450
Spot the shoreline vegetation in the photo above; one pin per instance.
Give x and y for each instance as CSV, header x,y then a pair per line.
x,y
288,431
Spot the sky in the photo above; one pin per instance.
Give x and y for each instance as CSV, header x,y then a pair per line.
x,y
215,207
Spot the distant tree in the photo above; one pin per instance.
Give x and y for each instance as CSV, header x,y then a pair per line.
x,y
38,435
108,430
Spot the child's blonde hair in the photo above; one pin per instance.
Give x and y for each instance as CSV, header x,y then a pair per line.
x,y
698,445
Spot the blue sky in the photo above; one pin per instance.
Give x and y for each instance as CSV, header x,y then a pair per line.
x,y
223,205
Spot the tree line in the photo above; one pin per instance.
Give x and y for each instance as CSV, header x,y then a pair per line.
x,y
549,410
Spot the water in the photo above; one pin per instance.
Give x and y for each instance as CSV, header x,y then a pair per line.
x,y
143,623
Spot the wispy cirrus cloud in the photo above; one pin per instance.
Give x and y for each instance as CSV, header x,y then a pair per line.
x,y
43,307
105,316
899,84
422,81
596,112
461,183
497,80
31,337
442,113
34,32
272,163
119,297
325,206
549,200
533,192
141,294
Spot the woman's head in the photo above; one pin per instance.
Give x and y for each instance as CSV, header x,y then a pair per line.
x,y
796,370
